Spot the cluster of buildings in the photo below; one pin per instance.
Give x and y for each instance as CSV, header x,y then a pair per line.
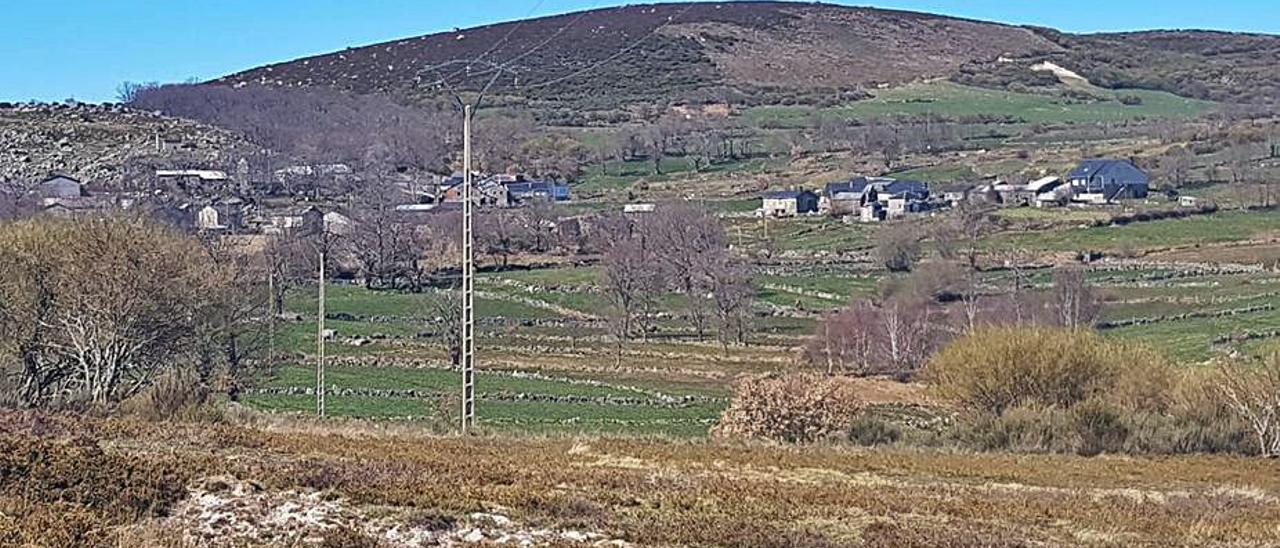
x,y
868,199
872,199
63,195
494,191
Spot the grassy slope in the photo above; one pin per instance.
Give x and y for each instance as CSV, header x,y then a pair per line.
x,y
954,100
1221,227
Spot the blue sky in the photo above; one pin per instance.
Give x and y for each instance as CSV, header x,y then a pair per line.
x,y
58,49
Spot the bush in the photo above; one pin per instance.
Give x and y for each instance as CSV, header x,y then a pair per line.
x,y
870,430
1099,427
800,408
346,537
75,494
92,309
994,369
177,394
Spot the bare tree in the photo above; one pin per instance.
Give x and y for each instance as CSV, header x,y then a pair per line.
x,y
1176,165
114,303
895,336
381,239
633,284
502,233
729,279
898,247
540,218
682,237
1253,393
1074,301
885,138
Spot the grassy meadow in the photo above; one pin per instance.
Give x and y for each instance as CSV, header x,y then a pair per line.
x,y
959,101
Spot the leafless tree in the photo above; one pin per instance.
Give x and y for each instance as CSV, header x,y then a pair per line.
x,y
1253,393
1074,301
895,336
729,279
885,138
898,247
115,302
540,217
633,285
234,329
316,125
553,155
1176,165
683,236
381,238
502,233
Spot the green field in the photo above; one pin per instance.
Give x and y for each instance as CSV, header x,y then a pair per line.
x,y
957,101
1228,226
506,400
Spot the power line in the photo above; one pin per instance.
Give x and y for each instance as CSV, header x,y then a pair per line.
x,y
501,41
504,66
625,50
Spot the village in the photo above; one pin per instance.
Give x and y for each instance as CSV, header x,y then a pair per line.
x,y
1095,182
695,273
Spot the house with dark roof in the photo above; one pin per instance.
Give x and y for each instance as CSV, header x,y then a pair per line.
x,y
60,187
789,203
846,197
906,190
523,191
1105,180
953,193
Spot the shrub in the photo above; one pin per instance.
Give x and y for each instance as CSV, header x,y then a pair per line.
x,y
177,394
1020,428
346,537
798,408
994,369
870,430
1099,427
74,493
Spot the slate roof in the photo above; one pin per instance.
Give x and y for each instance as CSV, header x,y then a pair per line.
x,y
1106,167
787,194
898,188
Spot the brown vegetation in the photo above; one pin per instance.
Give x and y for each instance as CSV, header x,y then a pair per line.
x,y
56,491
799,408
92,310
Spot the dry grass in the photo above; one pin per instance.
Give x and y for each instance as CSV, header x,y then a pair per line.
x,y
683,493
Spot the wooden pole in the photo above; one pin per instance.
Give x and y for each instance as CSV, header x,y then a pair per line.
x,y
320,344
271,313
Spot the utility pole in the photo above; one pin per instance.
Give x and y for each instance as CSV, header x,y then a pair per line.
x,y
468,283
271,312
468,341
320,344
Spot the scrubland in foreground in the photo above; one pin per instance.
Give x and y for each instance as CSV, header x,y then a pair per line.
x,y
111,482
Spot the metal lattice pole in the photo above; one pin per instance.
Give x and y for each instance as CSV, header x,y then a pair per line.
x,y
468,283
320,344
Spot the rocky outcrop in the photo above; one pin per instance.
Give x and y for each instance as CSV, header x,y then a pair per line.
x,y
108,147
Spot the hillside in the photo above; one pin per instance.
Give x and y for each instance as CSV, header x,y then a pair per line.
x,y
101,145
778,53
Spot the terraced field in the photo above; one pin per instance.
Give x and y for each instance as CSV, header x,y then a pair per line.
x,y
548,365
